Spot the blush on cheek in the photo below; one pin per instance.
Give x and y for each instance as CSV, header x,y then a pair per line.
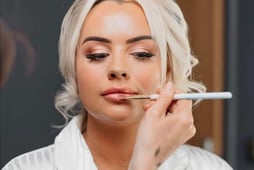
x,y
150,81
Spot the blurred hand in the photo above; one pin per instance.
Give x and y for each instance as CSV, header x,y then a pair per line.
x,y
166,125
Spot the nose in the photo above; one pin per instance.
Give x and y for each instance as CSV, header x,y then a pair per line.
x,y
118,66
118,74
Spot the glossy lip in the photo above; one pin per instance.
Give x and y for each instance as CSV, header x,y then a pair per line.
x,y
117,95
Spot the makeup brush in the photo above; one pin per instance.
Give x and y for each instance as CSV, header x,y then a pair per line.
x,y
192,96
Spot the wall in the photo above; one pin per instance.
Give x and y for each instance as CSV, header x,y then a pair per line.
x,y
240,60
27,98
246,84
206,37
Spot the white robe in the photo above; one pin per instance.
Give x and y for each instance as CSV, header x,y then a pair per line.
x,y
70,152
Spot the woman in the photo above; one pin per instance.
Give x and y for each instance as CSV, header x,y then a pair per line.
x,y
110,50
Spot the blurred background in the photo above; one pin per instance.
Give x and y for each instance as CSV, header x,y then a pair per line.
x,y
221,34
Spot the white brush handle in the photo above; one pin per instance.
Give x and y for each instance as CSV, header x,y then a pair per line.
x,y
198,96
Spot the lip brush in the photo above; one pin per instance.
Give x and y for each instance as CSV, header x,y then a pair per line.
x,y
192,96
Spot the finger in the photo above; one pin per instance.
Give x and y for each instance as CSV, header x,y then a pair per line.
x,y
182,106
164,100
175,103
190,133
158,91
193,131
148,105
172,106
151,102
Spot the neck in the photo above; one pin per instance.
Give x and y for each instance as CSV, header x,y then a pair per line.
x,y
116,142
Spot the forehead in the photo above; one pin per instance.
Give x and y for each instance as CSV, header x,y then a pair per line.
x,y
119,1
130,5
116,16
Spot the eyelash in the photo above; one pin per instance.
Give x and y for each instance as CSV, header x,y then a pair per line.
x,y
142,55
96,56
101,56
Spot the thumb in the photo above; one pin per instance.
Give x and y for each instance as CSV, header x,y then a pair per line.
x,y
164,100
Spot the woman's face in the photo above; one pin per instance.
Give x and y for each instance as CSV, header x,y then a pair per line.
x,y
116,57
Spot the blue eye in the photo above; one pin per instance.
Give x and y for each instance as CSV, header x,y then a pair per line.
x,y
142,55
96,56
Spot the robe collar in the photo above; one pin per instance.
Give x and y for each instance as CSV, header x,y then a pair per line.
x,y
72,152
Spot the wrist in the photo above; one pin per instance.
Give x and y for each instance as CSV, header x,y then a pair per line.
x,y
142,162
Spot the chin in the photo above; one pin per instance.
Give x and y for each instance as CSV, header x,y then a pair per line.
x,y
118,115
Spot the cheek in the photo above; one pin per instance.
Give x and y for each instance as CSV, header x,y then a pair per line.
x,y
152,82
148,77
87,76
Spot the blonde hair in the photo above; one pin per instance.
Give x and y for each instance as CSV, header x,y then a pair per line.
x,y
168,28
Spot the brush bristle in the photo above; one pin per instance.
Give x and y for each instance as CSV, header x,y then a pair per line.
x,y
138,97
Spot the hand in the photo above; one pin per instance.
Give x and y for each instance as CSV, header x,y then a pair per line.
x,y
166,125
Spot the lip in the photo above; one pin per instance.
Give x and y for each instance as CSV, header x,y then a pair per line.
x,y
117,95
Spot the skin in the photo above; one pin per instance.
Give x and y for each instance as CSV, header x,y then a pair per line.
x,y
129,133
143,73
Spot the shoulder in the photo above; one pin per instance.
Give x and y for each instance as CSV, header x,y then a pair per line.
x,y
202,159
188,157
39,159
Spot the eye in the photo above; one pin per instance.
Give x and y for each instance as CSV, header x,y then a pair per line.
x,y
142,55
96,56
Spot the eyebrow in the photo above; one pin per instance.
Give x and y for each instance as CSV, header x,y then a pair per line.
x,y
94,38
105,40
139,38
